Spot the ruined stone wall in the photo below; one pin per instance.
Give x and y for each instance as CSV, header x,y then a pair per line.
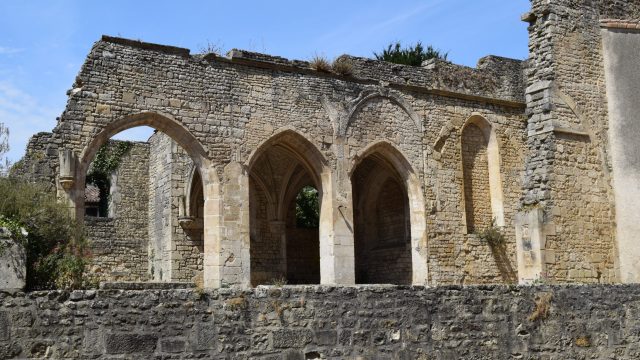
x,y
475,166
119,243
266,244
40,160
187,244
234,104
160,206
177,252
568,165
488,322
456,255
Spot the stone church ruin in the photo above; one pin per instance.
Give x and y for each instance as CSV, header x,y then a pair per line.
x,y
413,168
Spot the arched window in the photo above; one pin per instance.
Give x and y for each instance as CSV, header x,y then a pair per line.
x,y
382,223
482,186
285,198
307,208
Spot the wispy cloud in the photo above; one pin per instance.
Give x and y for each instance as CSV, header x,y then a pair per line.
x,y
4,50
371,26
24,116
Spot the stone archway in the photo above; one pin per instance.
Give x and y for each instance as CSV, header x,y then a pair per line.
x,y
277,171
482,182
389,218
208,181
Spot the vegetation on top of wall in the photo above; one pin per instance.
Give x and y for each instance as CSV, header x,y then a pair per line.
x,y
342,66
412,55
106,161
55,245
320,63
308,208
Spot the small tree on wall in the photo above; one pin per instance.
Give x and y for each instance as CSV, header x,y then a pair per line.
x,y
307,208
412,55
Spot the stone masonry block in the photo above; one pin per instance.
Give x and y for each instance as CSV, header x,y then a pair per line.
x,y
290,338
121,343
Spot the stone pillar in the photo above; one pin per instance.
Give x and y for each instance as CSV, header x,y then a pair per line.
x,y
418,218
69,188
235,237
337,259
212,228
530,246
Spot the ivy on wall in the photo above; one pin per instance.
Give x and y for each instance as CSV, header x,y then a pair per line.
x,y
106,161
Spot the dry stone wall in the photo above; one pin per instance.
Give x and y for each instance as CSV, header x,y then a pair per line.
x,y
312,322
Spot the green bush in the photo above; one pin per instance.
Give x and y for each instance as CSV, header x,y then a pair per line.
x,y
412,55
308,208
56,248
492,234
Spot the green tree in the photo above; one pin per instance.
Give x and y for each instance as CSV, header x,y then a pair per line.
x,y
412,55
308,208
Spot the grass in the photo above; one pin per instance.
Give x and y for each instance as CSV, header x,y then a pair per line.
x,y
542,307
342,66
320,63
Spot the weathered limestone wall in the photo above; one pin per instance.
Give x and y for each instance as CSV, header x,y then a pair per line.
x,y
40,160
492,322
160,207
475,166
569,161
220,110
622,69
119,242
176,253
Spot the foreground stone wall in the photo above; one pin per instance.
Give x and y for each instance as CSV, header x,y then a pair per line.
x,y
312,322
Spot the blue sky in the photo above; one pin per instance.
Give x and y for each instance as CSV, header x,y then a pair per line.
x,y
43,43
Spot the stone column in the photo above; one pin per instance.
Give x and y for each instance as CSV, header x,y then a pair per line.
x,y
68,187
212,228
530,246
235,237
337,259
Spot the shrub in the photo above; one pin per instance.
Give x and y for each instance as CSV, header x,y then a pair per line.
x,y
492,234
211,48
320,63
412,55
308,208
342,66
55,246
